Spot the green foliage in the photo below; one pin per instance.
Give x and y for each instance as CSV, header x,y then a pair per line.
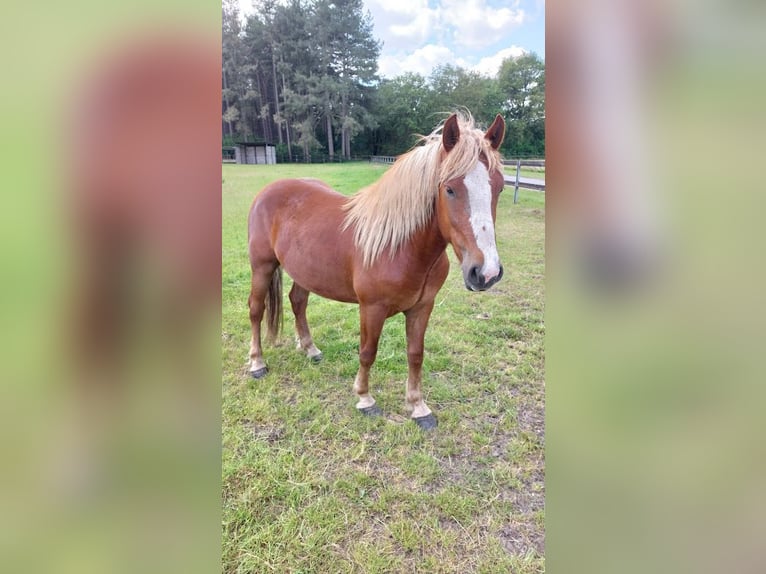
x,y
299,72
404,108
303,73
521,82
411,104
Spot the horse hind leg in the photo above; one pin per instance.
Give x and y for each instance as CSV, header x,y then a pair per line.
x,y
299,298
260,283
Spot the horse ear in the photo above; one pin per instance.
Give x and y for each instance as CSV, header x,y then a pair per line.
x,y
450,132
496,132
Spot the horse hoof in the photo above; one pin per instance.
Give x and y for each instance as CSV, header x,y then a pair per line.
x,y
317,358
260,373
371,411
427,422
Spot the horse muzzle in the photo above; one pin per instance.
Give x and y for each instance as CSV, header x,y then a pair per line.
x,y
476,281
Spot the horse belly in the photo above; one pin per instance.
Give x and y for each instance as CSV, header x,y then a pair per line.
x,y
326,281
316,256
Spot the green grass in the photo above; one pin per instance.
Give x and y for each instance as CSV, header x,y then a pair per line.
x,y
534,172
311,486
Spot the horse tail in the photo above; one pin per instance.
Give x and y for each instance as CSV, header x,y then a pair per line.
x,y
274,304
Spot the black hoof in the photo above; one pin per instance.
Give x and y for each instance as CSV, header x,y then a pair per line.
x,y
260,373
317,358
371,411
427,422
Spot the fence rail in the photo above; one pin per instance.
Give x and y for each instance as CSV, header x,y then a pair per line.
x,y
516,181
525,162
525,182
382,159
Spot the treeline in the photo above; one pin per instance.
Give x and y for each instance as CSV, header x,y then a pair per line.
x,y
302,74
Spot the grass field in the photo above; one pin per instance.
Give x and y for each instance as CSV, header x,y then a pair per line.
x,y
311,486
534,172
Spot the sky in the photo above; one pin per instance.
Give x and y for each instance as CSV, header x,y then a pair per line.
x,y
418,35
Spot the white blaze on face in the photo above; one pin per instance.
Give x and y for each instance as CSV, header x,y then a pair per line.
x,y
480,203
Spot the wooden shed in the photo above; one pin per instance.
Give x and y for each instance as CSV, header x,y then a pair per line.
x,y
252,152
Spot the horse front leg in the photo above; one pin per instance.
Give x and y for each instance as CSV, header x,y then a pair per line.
x,y
416,323
370,326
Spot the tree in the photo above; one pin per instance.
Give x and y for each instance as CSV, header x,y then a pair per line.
x,y
456,87
304,73
522,82
404,108
294,63
232,64
348,62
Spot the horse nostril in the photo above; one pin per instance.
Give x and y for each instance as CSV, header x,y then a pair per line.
x,y
474,277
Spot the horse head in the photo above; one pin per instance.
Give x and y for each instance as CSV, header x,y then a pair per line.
x,y
467,202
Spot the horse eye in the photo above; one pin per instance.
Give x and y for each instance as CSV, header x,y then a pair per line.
x,y
450,192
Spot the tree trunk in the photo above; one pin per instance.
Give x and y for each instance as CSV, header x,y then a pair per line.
x,y
276,96
287,123
262,91
330,142
226,98
345,143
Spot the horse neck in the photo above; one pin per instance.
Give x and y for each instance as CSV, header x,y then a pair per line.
x,y
428,243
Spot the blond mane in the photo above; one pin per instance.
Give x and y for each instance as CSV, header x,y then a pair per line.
x,y
387,213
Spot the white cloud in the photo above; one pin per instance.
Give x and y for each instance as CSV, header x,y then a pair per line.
x,y
406,24
422,61
402,24
490,65
477,24
418,35
425,59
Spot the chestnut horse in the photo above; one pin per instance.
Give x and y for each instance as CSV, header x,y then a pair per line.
x,y
383,248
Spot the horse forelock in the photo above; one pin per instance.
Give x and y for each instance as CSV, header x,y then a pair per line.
x,y
387,213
